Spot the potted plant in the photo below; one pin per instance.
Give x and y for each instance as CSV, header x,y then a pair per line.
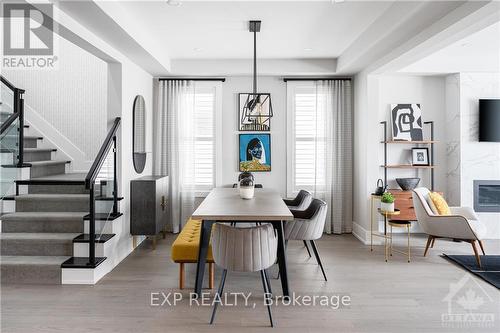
x,y
387,202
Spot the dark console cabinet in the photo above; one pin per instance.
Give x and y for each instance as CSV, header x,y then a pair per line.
x,y
148,205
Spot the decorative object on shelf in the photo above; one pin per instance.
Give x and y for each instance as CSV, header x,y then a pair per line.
x,y
380,187
406,122
139,134
420,156
255,109
407,184
387,202
246,188
255,152
428,142
255,112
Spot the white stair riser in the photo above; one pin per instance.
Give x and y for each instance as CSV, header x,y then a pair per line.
x,y
7,206
101,249
86,275
105,227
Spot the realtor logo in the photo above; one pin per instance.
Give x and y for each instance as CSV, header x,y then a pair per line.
x,y
28,37
466,300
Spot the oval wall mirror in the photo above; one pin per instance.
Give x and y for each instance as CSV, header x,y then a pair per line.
x,y
139,134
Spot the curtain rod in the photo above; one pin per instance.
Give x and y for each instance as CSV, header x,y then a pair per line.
x,y
316,78
193,79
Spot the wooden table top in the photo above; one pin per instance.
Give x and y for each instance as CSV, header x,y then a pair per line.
x,y
225,204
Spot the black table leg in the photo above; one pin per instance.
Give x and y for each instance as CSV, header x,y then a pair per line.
x,y
206,229
278,225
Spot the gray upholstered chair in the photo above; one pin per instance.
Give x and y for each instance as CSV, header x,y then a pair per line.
x,y
300,202
308,226
244,250
463,224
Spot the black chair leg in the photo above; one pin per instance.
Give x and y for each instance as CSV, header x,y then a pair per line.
x,y
307,248
315,250
266,290
266,274
219,294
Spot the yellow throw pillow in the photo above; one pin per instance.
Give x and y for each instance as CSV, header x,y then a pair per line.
x,y
441,205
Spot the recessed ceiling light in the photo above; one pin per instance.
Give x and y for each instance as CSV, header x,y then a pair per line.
x,y
337,1
174,3
197,49
308,49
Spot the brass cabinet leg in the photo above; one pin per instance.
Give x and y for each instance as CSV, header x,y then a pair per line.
x,y
478,259
429,240
154,241
371,225
134,242
181,275
482,246
432,244
211,274
409,225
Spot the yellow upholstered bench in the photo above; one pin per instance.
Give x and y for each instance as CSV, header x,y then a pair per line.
x,y
185,250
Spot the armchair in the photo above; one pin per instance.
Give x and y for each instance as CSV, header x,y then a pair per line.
x,y
463,223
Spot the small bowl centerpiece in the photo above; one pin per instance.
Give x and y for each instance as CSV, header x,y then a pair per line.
x,y
407,184
387,202
246,188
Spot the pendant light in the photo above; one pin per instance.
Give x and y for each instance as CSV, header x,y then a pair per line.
x,y
257,110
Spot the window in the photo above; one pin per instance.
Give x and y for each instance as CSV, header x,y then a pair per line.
x,y
206,110
306,137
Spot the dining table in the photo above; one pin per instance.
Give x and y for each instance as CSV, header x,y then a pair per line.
x,y
225,205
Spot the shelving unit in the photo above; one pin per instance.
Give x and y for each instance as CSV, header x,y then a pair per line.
x,y
430,143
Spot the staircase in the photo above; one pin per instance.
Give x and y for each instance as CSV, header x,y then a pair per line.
x,y
49,218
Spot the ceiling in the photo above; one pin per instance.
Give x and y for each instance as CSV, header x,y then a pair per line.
x,y
478,52
291,30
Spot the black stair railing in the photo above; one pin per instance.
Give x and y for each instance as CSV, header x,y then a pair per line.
x,y
17,113
90,184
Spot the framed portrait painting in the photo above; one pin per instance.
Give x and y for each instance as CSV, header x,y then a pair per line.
x,y
255,152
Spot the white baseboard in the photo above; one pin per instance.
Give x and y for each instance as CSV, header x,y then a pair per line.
x,y
364,235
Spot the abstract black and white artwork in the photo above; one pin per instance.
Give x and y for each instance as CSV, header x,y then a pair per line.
x,y
406,122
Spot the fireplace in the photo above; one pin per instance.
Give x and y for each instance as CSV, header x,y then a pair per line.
x,y
487,195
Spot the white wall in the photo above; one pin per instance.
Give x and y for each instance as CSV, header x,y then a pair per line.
x,y
276,179
373,96
429,92
71,97
470,159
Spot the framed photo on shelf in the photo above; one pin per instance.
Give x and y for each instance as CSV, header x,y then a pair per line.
x,y
420,156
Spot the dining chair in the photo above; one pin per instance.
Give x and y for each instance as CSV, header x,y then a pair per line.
x,y
308,226
300,202
235,185
250,249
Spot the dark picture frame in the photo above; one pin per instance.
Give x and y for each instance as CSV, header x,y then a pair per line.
x,y
249,161
420,156
244,125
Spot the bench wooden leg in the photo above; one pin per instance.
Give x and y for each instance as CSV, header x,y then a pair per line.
x,y
181,275
211,270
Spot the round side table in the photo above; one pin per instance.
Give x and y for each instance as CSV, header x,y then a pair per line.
x,y
387,215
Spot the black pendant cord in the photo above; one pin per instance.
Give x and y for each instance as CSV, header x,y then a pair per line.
x,y
255,62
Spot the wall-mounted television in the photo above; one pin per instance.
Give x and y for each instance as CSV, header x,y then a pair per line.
x,y
489,120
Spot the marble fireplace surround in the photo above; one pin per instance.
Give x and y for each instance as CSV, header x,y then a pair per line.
x,y
467,158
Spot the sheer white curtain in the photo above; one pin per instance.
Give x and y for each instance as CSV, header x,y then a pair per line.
x,y
174,147
333,145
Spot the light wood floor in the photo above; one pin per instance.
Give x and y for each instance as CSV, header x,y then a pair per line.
x,y
386,297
